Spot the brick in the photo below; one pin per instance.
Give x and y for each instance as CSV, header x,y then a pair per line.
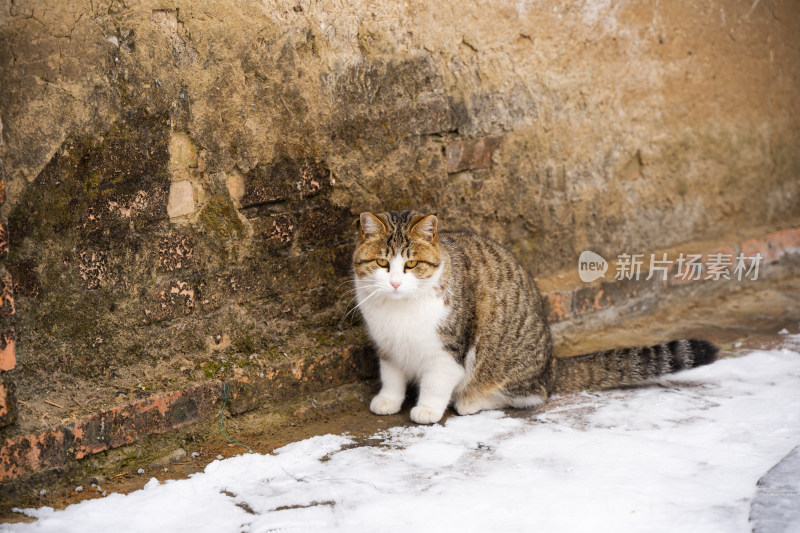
x,y
30,453
305,376
116,427
181,199
472,154
6,296
283,179
234,181
160,413
3,238
612,293
8,404
558,306
8,357
154,415
774,245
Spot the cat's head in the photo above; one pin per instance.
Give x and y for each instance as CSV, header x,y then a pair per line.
x,y
398,253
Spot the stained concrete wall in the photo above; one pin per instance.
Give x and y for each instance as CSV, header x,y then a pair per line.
x,y
182,177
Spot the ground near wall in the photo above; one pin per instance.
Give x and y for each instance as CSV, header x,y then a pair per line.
x,y
737,318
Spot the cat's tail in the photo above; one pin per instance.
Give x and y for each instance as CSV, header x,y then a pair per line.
x,y
629,366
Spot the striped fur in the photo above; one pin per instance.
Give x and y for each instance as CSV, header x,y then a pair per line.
x,y
629,366
458,314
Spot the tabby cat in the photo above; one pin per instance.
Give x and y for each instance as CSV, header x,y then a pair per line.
x,y
457,314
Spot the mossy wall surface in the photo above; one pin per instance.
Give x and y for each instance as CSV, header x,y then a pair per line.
x,y
183,176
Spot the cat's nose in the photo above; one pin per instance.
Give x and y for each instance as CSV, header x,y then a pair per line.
x,y
395,283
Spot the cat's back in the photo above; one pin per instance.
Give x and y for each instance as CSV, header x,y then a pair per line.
x,y
503,294
486,261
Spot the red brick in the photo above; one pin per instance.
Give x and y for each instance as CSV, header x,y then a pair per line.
x,y
30,453
156,414
774,245
8,404
558,305
116,427
172,410
3,237
6,296
466,155
8,357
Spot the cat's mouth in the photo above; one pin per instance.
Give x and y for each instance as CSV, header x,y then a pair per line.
x,y
398,293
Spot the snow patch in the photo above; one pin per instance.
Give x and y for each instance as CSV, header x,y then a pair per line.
x,y
684,455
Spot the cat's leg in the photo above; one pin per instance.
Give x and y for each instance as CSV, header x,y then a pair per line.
x,y
471,404
436,385
393,390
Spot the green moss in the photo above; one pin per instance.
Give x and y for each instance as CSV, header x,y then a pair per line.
x,y
220,220
244,344
322,340
212,368
87,172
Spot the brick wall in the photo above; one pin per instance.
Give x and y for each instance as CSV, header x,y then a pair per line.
x,y
8,358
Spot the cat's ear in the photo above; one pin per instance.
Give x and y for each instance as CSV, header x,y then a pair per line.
x,y
370,225
425,227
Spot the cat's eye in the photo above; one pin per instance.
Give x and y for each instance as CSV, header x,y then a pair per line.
x,y
383,263
411,264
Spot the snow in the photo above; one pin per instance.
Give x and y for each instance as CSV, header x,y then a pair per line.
x,y
682,455
776,507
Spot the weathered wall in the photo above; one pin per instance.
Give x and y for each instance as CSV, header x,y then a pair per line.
x,y
182,176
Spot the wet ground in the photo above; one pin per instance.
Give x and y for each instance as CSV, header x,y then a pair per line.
x,y
742,318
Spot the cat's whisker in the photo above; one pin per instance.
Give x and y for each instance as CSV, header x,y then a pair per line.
x,y
352,293
354,280
355,290
351,289
377,289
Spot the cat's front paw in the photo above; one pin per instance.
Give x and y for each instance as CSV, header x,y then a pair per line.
x,y
384,405
425,415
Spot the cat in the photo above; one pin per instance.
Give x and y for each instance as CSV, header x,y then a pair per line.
x,y
457,314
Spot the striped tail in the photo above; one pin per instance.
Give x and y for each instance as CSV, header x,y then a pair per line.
x,y
629,366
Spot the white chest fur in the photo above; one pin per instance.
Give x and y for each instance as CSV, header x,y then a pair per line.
x,y
405,330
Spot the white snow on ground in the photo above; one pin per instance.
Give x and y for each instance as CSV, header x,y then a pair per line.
x,y
683,455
